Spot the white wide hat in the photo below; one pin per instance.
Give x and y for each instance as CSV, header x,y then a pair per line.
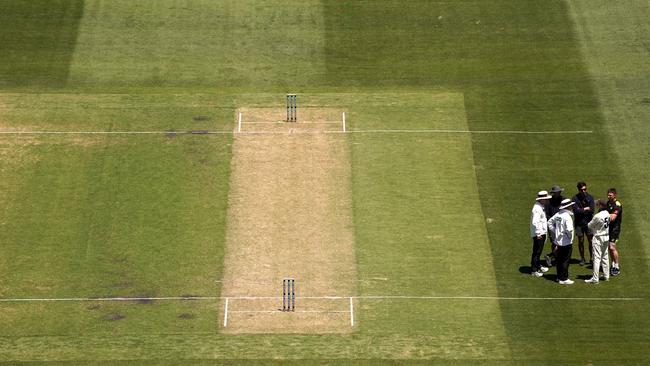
x,y
542,195
566,203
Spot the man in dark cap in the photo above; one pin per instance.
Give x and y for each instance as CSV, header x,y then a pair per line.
x,y
552,208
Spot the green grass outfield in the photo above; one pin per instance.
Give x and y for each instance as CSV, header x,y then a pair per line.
x,y
436,215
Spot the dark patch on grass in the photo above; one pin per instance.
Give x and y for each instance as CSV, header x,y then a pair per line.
x,y
189,297
37,39
201,118
114,317
171,133
186,316
199,132
645,101
93,307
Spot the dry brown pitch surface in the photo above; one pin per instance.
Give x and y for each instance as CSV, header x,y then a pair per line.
x,y
289,216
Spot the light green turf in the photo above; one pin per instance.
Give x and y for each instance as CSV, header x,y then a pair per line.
x,y
117,112
242,43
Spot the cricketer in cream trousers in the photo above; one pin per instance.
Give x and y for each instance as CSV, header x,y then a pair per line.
x,y
599,226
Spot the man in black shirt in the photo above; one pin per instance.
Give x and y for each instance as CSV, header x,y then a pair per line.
x,y
552,208
615,209
583,211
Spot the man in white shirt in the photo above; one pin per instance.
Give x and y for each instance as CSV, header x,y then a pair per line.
x,y
538,231
562,229
599,226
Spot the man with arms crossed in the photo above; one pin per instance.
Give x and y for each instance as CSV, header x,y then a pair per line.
x,y
615,209
552,208
583,211
538,230
599,226
562,229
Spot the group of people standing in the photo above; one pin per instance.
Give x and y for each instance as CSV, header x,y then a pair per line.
x,y
561,219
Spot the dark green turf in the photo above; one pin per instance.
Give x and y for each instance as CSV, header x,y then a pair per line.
x,y
37,40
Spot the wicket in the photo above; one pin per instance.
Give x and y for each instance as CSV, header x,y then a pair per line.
x,y
292,108
288,294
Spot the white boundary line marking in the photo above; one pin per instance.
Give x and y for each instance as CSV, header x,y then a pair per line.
x,y
201,132
351,312
239,125
405,297
225,314
343,117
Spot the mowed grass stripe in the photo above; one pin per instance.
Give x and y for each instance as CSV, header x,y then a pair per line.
x,y
114,112
418,221
232,43
412,195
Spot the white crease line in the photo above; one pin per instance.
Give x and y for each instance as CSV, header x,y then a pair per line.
x,y
202,132
283,312
291,123
190,132
225,314
189,298
497,298
502,132
170,298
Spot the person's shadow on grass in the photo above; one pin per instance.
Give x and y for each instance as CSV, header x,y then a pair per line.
x,y
547,276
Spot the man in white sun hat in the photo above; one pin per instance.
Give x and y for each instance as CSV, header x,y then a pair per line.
x,y
562,229
538,231
552,208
